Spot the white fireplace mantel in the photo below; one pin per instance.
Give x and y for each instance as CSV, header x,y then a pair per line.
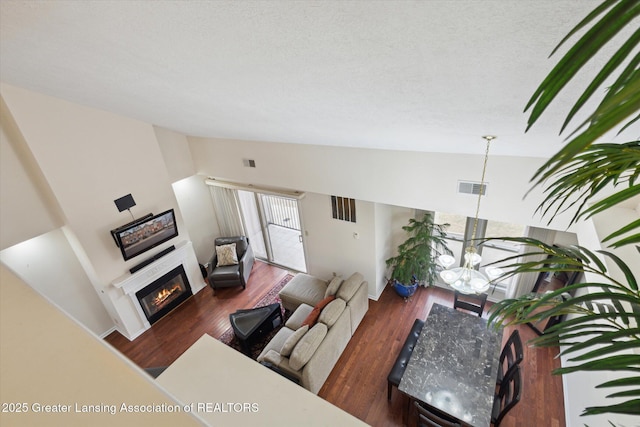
x,y
131,320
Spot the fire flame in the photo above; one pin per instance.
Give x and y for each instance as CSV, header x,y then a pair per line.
x,y
165,293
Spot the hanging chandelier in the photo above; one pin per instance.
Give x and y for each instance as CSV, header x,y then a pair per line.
x,y
467,279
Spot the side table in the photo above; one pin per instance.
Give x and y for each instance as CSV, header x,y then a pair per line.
x,y
254,324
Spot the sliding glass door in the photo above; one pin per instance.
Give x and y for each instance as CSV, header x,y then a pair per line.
x,y
273,223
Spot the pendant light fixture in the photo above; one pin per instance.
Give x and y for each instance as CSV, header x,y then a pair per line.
x,y
467,279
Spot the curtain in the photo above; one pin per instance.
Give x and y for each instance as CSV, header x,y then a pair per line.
x,y
523,283
227,207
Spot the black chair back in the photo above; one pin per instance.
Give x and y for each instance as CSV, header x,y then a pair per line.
x,y
241,243
508,395
512,354
433,418
473,303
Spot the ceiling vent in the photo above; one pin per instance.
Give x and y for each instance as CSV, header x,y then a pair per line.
x,y
468,187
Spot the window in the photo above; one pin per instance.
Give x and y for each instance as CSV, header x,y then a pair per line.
x,y
456,222
505,229
461,226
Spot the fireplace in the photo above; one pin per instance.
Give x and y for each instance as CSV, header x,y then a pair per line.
x,y
164,294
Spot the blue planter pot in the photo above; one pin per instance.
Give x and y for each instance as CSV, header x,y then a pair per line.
x,y
403,290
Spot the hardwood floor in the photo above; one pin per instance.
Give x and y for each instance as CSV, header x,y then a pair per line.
x,y
358,383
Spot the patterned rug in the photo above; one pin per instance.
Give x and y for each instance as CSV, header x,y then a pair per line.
x,y
271,297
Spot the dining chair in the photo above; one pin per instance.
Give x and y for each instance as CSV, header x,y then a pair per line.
x,y
512,354
432,418
473,303
507,396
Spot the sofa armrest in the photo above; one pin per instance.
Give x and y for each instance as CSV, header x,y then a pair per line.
x,y
359,305
275,369
246,264
213,262
282,363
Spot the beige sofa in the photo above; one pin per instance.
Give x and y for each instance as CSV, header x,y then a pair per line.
x,y
308,354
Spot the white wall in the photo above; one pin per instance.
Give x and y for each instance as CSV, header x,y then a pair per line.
x,y
49,359
389,221
330,244
174,148
50,265
191,193
606,224
196,206
25,193
418,180
72,162
90,158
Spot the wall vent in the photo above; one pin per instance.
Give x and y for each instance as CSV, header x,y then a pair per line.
x,y
343,208
249,163
468,187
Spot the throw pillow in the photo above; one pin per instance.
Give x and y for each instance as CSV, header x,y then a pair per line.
x,y
332,312
350,286
312,318
307,346
334,284
293,339
226,255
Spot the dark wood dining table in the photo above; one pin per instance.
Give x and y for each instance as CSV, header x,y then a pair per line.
x,y
454,365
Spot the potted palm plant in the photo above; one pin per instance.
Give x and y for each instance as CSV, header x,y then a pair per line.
x,y
590,176
416,261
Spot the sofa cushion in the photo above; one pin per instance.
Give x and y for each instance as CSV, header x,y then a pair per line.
x,y
333,287
350,286
332,312
302,289
312,317
298,316
307,346
227,255
293,339
276,342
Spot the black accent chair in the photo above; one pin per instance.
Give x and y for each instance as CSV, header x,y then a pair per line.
x,y
507,396
431,418
512,354
473,303
231,275
400,364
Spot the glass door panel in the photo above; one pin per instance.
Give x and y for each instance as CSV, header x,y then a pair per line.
x,y
253,224
273,227
282,224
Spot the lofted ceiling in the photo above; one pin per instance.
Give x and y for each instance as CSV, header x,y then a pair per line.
x,y
426,75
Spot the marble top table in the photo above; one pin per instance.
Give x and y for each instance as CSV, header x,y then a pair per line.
x,y
454,365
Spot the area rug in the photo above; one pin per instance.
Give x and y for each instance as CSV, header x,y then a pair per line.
x,y
271,297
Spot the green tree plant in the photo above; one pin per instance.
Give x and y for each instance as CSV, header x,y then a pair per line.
x,y
588,177
418,255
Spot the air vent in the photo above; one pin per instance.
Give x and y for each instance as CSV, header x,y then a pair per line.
x,y
249,163
468,187
343,208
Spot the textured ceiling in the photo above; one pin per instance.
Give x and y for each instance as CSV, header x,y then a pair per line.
x,y
425,76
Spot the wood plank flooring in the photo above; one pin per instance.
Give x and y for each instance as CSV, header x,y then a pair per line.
x,y
358,383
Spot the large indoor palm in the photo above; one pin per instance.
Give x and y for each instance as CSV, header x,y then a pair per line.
x,y
586,177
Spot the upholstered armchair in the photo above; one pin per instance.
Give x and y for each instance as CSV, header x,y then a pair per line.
x,y
231,262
